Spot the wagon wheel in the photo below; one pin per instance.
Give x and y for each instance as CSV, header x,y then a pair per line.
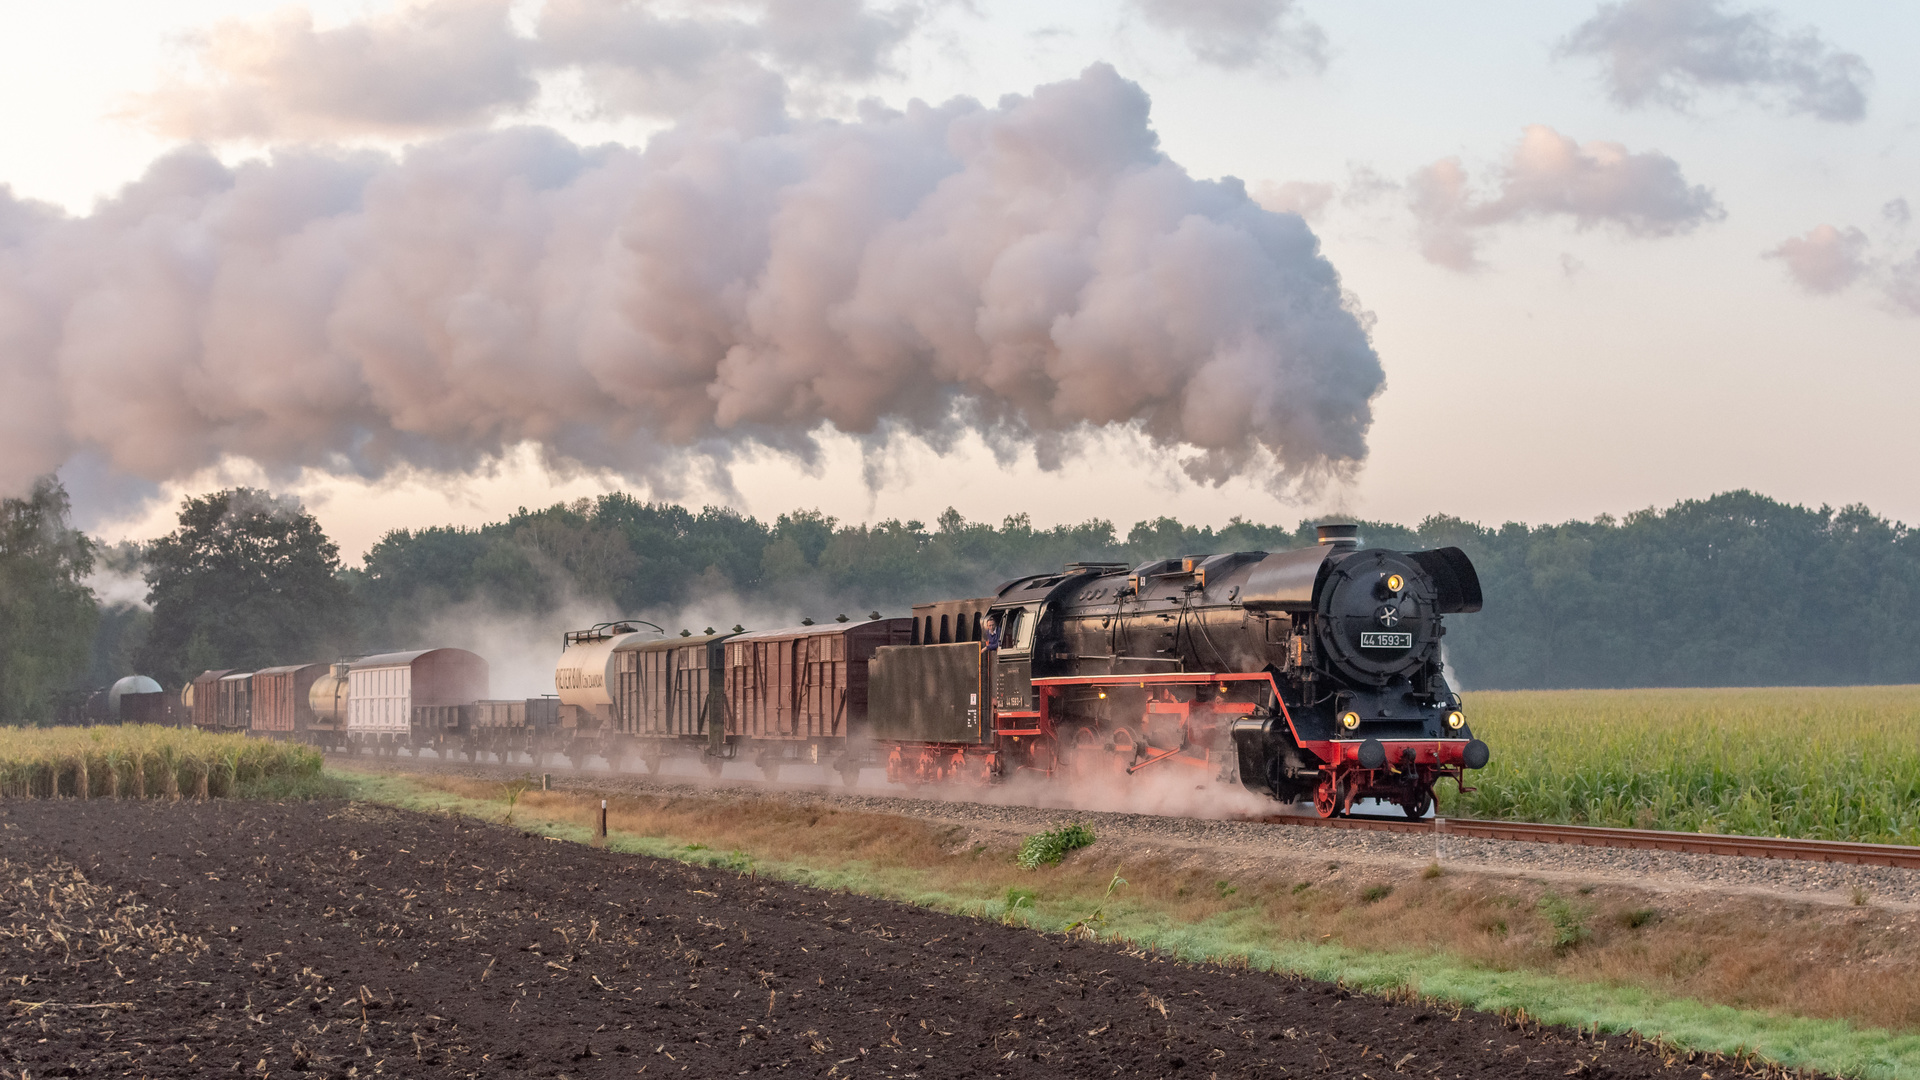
x,y
1328,797
1126,750
1083,751
849,769
1418,803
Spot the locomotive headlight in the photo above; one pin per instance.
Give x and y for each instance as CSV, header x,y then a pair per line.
x,y
1350,720
1456,719
1395,583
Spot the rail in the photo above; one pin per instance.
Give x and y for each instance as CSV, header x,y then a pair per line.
x,y
1755,847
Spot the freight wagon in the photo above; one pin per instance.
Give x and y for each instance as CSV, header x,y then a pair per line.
x,y
797,694
202,699
417,700
280,706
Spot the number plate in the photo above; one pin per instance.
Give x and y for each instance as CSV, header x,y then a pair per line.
x,y
1377,640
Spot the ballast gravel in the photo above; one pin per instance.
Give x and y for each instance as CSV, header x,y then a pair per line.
x,y
1249,840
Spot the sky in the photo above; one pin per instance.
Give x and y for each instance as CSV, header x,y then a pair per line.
x,y
1590,257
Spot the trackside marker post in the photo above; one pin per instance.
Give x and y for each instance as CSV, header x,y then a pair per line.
x,y
602,837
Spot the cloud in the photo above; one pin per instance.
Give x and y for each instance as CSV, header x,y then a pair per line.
x,y
1903,285
1666,52
1237,34
1550,175
1032,271
1826,259
441,65
1309,200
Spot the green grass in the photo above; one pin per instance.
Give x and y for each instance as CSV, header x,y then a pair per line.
x,y
145,761
1819,763
1245,936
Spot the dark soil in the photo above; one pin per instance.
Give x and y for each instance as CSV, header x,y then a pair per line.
x,y
337,940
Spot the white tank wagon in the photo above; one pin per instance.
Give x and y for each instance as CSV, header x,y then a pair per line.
x,y
419,700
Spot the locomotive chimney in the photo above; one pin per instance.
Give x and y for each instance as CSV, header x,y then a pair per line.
x,y
1339,533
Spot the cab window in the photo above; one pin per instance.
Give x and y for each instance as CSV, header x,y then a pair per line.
x,y
1016,629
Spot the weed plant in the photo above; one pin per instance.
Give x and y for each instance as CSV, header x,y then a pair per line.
x,y
145,761
1823,763
1048,848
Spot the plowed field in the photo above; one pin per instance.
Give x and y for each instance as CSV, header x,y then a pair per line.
x,y
340,940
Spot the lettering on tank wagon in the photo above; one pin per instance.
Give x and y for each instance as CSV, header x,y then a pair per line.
x,y
1374,639
574,679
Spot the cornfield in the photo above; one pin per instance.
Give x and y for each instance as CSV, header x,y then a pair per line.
x,y
142,762
1824,763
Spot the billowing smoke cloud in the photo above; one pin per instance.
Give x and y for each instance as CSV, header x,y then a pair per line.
x,y
1665,52
440,65
1030,271
1826,259
1236,34
1550,175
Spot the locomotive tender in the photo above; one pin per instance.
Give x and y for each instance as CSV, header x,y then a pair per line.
x,y
1313,674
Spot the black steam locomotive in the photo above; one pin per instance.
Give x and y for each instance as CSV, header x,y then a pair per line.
x,y
1303,674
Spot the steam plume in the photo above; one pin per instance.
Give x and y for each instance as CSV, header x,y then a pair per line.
x,y
1028,270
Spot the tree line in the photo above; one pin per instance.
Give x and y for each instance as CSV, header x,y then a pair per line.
x,y
1736,589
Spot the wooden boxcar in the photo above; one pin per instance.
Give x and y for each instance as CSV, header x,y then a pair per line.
x,y
419,700
281,709
666,691
202,698
792,693
233,702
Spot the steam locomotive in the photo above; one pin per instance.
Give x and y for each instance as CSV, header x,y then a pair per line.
x,y
1304,675
1311,674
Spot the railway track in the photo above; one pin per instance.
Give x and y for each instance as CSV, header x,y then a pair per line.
x,y
1899,856
1753,847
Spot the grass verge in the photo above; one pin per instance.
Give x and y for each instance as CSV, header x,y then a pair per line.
x,y
1826,991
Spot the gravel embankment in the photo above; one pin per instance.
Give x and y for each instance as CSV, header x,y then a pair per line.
x,y
1255,843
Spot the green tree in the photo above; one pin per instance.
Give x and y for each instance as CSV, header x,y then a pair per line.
x,y
247,581
47,612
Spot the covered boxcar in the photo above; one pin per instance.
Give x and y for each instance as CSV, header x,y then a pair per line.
x,y
418,700
666,693
281,709
201,697
233,702
793,694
